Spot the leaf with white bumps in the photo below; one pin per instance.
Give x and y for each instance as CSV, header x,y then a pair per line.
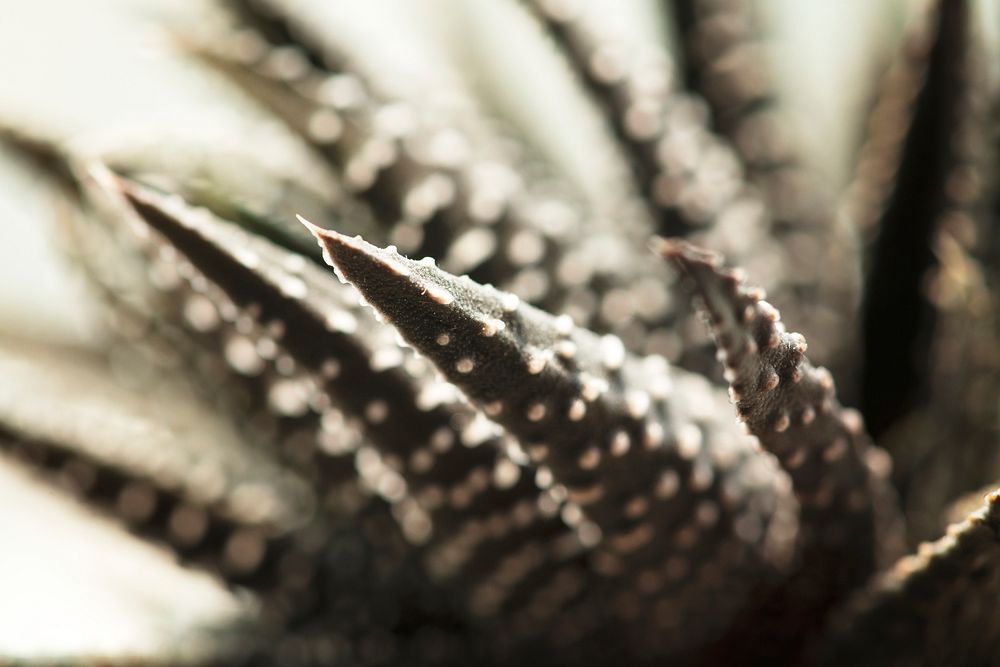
x,y
304,345
472,212
630,443
693,180
937,606
849,521
162,466
444,474
338,362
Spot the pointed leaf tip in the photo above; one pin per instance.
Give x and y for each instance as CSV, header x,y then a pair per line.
x,y
353,256
338,248
315,230
103,176
685,254
660,245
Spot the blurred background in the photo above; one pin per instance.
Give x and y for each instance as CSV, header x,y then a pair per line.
x,y
111,70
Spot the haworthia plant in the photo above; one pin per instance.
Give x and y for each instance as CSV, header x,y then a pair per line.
x,y
615,434
524,451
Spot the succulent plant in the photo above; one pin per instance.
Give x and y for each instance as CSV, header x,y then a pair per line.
x,y
424,404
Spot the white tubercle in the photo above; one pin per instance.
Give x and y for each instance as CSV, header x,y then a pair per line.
x,y
510,302
536,362
439,294
492,326
564,325
612,352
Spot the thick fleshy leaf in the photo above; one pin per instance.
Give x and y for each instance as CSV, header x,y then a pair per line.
x,y
259,187
259,193
789,404
848,517
156,307
472,211
723,62
633,84
913,174
340,363
632,445
932,400
353,569
726,62
425,190
163,467
951,445
695,182
434,460
935,607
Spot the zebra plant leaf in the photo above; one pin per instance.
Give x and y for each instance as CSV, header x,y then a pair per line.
x,y
202,175
331,345
331,572
788,403
618,434
936,606
425,198
188,485
488,223
726,63
170,472
919,194
694,179
441,469
634,88
458,475
908,181
848,516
